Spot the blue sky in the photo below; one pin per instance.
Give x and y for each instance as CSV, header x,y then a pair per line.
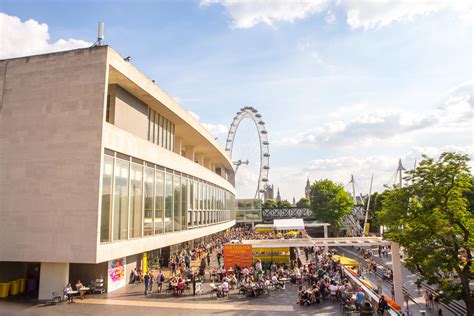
x,y
343,86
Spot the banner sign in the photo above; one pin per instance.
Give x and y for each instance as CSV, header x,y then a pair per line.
x,y
116,274
236,254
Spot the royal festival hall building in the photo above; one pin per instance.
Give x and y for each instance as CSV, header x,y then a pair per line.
x,y
100,171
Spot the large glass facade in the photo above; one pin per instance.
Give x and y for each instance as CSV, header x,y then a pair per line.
x,y
149,182
121,195
168,203
159,201
177,203
136,199
149,200
184,203
106,198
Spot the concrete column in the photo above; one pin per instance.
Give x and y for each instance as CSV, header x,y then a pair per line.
x,y
397,273
53,278
326,248
190,152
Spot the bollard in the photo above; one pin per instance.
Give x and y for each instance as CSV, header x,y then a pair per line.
x,y
422,312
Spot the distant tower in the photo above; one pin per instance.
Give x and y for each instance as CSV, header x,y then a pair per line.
x,y
307,189
294,201
278,196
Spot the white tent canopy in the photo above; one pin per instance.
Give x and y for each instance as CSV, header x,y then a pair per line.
x,y
288,224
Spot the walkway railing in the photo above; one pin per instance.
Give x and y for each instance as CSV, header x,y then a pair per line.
x,y
370,295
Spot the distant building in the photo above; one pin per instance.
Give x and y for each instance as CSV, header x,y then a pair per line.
x,y
278,198
307,189
294,201
268,192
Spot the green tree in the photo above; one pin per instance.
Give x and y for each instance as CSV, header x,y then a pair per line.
x,y
269,204
303,203
283,204
330,203
430,218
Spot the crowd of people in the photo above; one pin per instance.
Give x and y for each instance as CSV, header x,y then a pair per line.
x,y
243,233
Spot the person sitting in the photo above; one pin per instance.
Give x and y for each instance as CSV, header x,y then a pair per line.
x,y
67,291
277,283
232,281
366,309
180,286
79,286
225,288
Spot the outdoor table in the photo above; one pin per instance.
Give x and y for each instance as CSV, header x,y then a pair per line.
x,y
71,293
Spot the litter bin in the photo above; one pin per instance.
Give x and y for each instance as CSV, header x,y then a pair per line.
x,y
31,285
22,285
14,287
4,289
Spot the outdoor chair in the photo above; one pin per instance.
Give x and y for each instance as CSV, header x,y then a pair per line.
x,y
97,286
56,299
214,290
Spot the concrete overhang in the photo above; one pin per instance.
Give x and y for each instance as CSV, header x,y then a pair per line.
x,y
124,74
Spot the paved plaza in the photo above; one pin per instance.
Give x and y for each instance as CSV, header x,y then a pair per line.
x,y
131,300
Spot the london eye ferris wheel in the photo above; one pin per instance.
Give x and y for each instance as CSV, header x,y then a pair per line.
x,y
263,168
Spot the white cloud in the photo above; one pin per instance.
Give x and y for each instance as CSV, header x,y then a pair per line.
x,y
383,167
218,130
246,14
30,37
454,113
361,14
368,14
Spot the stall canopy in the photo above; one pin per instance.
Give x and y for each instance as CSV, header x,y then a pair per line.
x,y
288,224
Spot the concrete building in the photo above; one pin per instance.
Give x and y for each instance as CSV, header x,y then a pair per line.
x,y
99,169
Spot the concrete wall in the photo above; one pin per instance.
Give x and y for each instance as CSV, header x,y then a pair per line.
x,y
53,278
51,118
130,114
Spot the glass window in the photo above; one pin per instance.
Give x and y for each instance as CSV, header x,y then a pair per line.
x,y
177,203
155,132
159,201
172,137
148,203
196,198
106,198
168,202
136,199
165,141
150,126
184,202
120,228
162,131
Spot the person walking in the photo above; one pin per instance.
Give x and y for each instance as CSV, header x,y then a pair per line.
x,y
193,280
151,281
160,278
406,298
426,296
147,283
383,305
